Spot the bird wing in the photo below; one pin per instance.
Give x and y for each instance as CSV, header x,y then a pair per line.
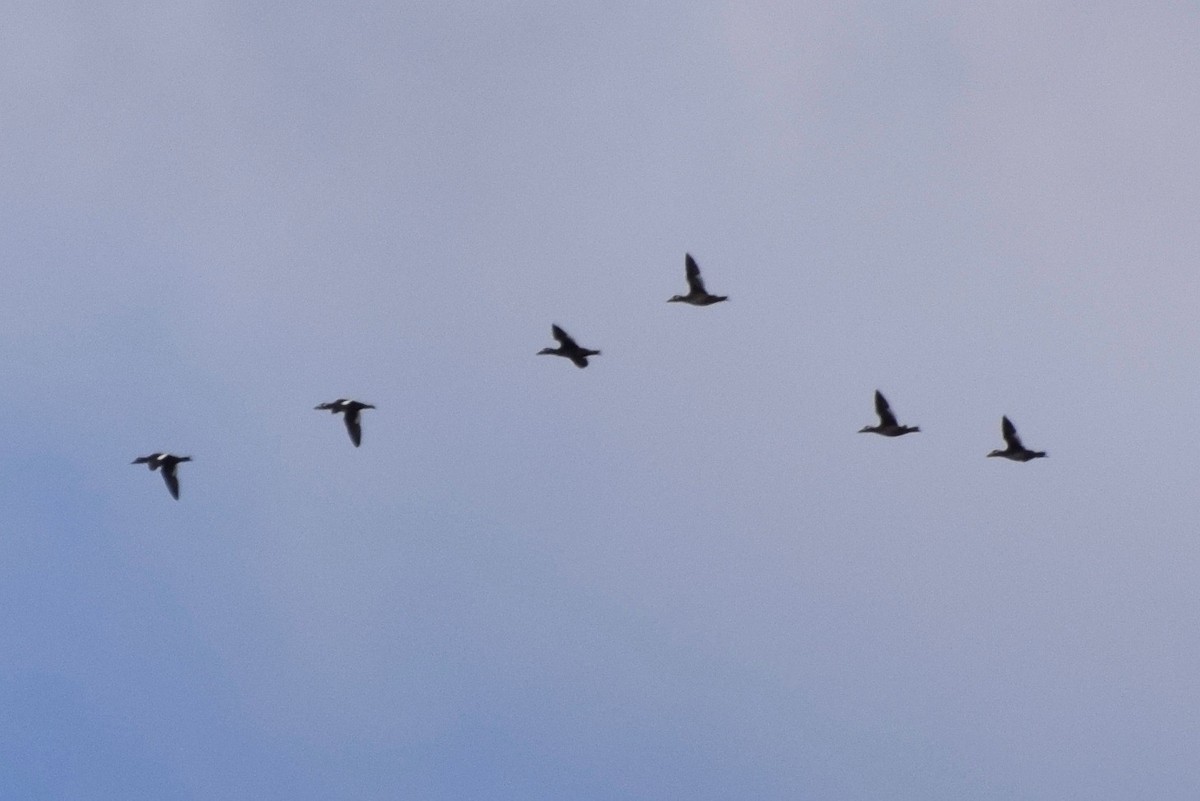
x,y
563,337
695,282
580,360
353,427
168,474
1010,434
886,418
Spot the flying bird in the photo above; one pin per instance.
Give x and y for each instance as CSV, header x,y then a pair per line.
x,y
1015,450
568,348
697,295
888,426
349,408
166,463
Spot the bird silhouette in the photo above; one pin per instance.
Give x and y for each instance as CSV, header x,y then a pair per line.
x,y
568,348
1015,450
888,426
350,409
166,464
697,295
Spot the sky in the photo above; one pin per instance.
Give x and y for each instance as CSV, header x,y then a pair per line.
x,y
681,572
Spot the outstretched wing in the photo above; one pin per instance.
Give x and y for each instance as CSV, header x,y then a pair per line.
x,y
1010,434
168,474
695,282
563,337
886,418
353,427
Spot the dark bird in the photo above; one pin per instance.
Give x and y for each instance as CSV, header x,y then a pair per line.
x,y
568,348
697,295
166,462
887,421
350,408
1015,450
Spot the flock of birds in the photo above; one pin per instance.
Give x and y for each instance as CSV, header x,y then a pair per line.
x,y
890,427
568,348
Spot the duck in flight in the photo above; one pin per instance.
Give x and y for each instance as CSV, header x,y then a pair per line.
x,y
697,295
166,463
888,426
349,408
568,348
1015,450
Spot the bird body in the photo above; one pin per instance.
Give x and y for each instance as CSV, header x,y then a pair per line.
x,y
697,295
888,426
1014,450
165,463
568,348
350,409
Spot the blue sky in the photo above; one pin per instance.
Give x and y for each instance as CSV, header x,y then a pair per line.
x,y
679,573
